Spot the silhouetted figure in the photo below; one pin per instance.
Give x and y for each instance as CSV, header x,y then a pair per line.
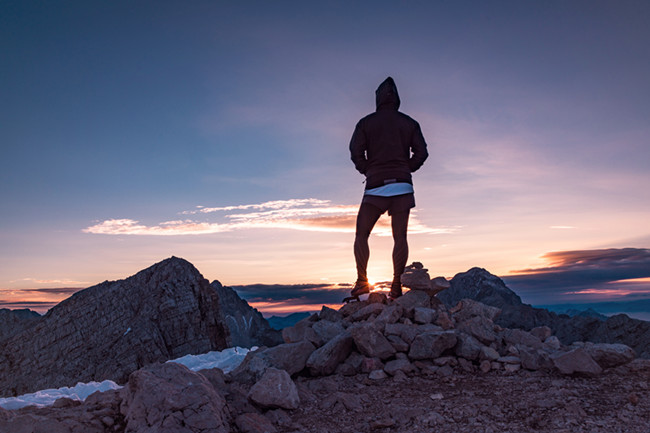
x,y
387,146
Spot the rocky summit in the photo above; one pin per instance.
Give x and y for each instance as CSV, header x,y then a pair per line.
x,y
412,364
114,328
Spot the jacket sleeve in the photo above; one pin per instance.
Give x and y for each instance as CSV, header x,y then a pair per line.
x,y
358,147
418,148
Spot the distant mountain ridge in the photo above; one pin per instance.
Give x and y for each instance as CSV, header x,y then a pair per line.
x,y
482,286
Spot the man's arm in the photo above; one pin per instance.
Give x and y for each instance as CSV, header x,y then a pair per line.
x,y
358,147
419,149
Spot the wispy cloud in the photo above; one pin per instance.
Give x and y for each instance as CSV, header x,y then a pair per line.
x,y
296,214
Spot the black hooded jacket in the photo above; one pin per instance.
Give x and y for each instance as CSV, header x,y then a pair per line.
x,y
387,145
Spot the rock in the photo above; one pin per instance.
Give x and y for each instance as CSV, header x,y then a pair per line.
x,y
412,299
330,314
552,343
352,307
511,368
431,344
371,364
367,311
479,327
403,365
444,320
324,360
467,347
377,375
371,342
509,360
278,417
110,330
416,278
291,357
541,332
246,326
251,368
534,359
275,390
576,361
424,315
326,330
610,355
377,298
252,422
485,366
170,397
445,371
468,308
405,332
520,337
301,331
438,284
390,314
399,344
488,353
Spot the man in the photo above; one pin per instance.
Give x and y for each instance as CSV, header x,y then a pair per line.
x,y
387,146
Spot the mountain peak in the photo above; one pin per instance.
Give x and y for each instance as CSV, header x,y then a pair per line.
x,y
480,285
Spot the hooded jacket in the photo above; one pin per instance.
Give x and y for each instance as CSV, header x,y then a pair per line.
x,y
387,145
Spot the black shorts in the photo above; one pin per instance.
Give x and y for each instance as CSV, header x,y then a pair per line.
x,y
396,203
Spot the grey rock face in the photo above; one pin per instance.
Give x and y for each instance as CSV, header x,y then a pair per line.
x,y
15,321
110,330
246,326
610,355
576,361
291,357
275,390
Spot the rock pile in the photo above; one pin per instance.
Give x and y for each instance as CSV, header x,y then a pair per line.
x,y
415,336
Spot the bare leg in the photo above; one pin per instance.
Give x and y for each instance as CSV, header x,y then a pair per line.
x,y
366,220
399,224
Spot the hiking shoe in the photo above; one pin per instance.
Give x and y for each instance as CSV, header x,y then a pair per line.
x,y
361,288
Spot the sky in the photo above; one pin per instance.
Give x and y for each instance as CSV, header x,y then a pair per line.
x,y
218,132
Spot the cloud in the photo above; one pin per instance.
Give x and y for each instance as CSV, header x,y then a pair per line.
x,y
295,214
55,291
585,274
41,281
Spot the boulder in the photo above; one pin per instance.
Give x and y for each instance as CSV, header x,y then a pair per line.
x,y
330,314
467,347
377,298
576,361
275,390
390,314
424,315
170,397
541,332
488,353
301,331
534,359
367,311
324,360
399,344
431,345
479,327
438,284
610,355
412,299
326,330
352,307
396,365
291,357
521,337
371,342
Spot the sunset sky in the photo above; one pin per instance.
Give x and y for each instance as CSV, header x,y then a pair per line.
x,y
218,131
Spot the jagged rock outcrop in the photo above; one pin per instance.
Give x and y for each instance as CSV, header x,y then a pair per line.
x,y
247,327
15,321
114,328
482,286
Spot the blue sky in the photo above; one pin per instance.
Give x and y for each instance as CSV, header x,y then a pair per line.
x,y
218,132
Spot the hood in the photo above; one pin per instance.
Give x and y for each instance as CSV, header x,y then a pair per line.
x,y
386,95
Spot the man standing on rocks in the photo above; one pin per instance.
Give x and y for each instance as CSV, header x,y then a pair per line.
x,y
386,146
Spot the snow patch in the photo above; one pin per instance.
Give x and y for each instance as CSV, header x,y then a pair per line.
x,y
227,360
